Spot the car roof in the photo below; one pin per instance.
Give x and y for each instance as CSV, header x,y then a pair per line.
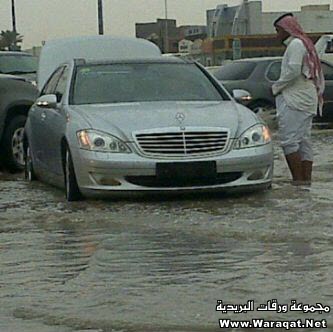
x,y
13,77
327,58
14,53
258,59
279,58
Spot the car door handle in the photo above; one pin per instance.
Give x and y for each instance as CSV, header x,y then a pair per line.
x,y
43,116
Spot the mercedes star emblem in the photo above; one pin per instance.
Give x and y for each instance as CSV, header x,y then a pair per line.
x,y
180,117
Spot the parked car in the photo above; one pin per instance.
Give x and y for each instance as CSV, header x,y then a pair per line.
x,y
20,64
213,69
257,76
17,93
140,122
324,47
16,96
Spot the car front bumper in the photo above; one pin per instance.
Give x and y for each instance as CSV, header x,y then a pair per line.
x,y
100,174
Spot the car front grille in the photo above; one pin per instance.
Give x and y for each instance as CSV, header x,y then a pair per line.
x,y
183,143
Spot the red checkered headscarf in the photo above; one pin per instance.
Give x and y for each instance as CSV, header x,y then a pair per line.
x,y
290,25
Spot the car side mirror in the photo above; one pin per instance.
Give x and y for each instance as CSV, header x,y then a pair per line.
x,y
47,101
242,96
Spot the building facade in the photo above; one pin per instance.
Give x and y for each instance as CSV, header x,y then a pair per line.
x,y
233,32
249,19
166,35
313,19
192,32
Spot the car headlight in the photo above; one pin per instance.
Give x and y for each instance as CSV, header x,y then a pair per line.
x,y
254,136
98,141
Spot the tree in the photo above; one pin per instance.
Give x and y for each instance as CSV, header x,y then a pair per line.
x,y
10,39
2,44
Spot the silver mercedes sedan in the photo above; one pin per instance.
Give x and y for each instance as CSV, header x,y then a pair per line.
x,y
149,125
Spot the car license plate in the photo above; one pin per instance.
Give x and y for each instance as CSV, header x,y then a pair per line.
x,y
181,170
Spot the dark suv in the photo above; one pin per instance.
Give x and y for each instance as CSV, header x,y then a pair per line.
x,y
17,93
257,75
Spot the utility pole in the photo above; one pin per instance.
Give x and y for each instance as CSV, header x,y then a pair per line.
x,y
236,44
14,46
166,44
13,16
100,17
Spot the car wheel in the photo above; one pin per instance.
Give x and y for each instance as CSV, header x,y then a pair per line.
x,y
260,107
72,189
28,167
12,144
265,111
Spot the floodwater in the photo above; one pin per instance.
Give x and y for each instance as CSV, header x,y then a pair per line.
x,y
162,264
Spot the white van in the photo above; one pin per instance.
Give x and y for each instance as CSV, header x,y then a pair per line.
x,y
324,47
101,47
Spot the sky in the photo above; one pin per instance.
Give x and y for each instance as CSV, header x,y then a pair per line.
x,y
39,20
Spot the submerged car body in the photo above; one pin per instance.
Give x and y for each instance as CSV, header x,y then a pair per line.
x,y
17,93
149,124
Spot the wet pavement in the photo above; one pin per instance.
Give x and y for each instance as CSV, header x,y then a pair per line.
x,y
161,264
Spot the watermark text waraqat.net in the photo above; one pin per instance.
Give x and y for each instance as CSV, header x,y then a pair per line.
x,y
273,306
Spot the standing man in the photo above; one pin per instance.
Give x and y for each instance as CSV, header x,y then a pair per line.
x,y
299,94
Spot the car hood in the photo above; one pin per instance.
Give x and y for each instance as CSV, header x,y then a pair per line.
x,y
20,77
232,84
125,118
13,77
29,76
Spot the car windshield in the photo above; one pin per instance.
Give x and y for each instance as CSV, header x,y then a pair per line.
x,y
142,82
235,71
18,64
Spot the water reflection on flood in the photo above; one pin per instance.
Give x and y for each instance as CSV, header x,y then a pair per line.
x,y
161,264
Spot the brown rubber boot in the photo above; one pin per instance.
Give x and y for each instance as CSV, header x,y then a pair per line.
x,y
307,171
296,167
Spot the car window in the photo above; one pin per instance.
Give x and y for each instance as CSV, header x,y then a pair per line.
x,y
328,71
49,87
274,71
142,82
235,71
18,64
61,85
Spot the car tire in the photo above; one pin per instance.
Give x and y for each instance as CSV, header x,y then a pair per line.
x,y
12,144
261,106
266,112
72,189
29,172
